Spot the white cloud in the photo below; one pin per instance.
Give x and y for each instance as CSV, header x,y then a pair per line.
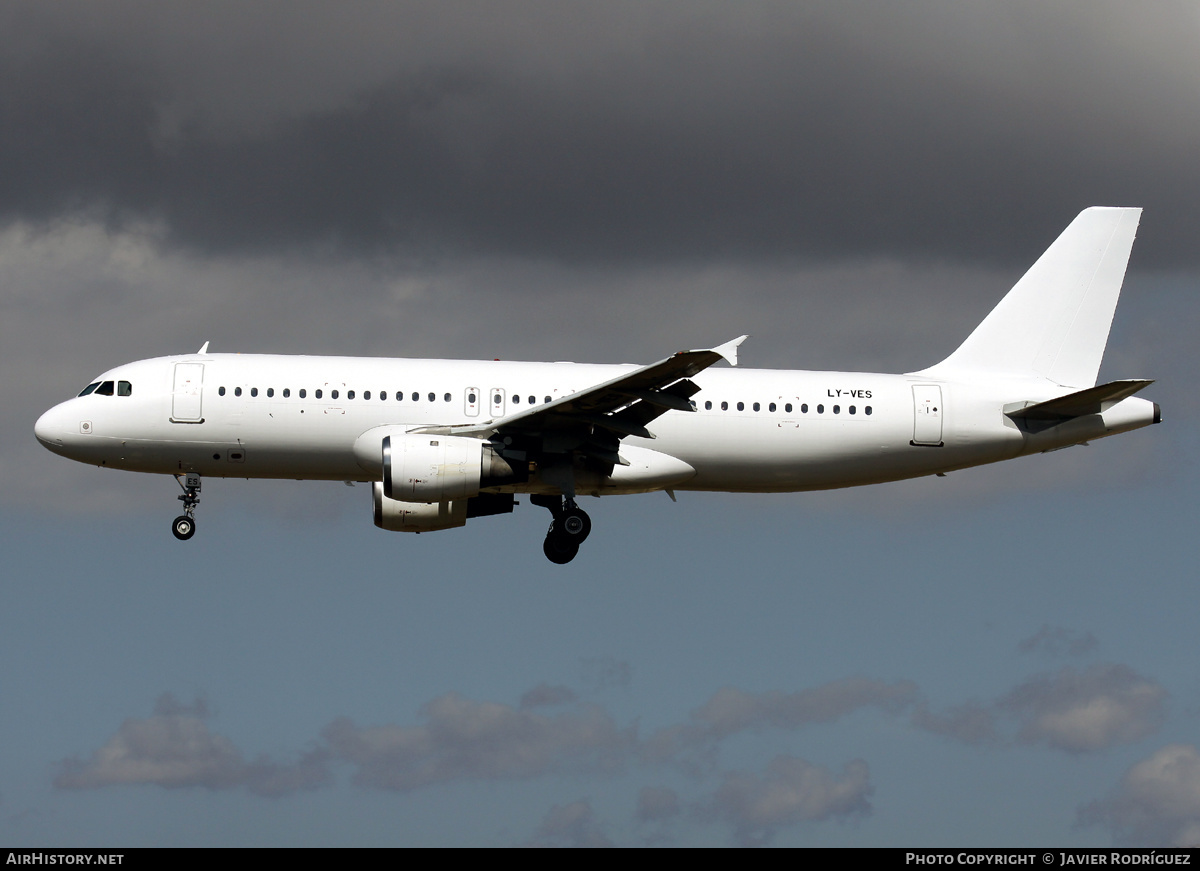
x,y
1089,710
468,740
1074,711
791,790
971,723
571,825
174,748
1156,803
657,803
1058,641
545,695
733,710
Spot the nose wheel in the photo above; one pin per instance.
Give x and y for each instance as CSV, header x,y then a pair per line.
x,y
183,527
568,529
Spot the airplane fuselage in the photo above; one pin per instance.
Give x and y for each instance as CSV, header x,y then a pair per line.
x,y
264,416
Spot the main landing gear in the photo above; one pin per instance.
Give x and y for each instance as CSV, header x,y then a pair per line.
x,y
568,529
184,526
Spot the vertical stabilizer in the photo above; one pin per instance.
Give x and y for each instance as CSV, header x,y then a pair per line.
x,y
1054,323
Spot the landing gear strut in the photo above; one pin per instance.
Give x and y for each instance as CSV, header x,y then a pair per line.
x,y
184,526
568,528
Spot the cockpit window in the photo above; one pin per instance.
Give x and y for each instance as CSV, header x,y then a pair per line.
x,y
91,387
105,389
124,388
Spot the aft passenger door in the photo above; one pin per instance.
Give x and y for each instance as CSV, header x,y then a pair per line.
x,y
927,415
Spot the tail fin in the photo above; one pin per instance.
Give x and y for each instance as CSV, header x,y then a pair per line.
x,y
1054,323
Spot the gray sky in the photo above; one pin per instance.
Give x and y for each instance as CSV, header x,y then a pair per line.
x,y
998,657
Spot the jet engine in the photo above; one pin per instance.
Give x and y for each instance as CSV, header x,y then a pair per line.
x,y
437,468
396,516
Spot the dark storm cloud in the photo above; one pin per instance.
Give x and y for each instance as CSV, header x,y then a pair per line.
x,y
604,132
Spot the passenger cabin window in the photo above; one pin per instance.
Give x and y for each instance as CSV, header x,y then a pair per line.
x,y
303,393
254,391
90,388
237,391
270,392
220,391
317,393
757,407
432,397
287,391
416,396
446,398
366,394
771,407
516,398
350,394
383,395
708,405
788,408
724,406
741,406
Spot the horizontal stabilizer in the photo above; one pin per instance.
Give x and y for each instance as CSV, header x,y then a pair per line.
x,y
1094,400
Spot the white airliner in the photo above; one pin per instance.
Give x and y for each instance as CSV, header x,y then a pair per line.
x,y
443,441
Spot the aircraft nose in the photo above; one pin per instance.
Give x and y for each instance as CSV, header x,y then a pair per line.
x,y
49,429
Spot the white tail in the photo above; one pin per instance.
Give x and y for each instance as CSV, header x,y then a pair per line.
x,y
1054,323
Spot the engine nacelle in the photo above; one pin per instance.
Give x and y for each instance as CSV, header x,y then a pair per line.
x,y
438,468
396,516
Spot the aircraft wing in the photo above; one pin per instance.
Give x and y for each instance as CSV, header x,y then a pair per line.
x,y
619,407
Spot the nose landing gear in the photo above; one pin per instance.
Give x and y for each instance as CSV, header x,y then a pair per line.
x,y
184,526
568,528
